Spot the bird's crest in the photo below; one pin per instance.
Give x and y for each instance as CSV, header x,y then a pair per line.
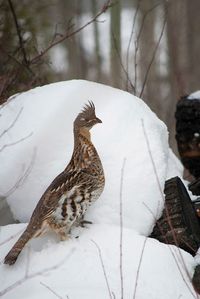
x,y
88,111
87,118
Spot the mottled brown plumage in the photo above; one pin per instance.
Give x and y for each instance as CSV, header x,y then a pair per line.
x,y
66,200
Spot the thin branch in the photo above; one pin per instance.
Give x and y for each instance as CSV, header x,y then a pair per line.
x,y
11,237
12,124
15,142
28,262
113,294
138,39
20,181
11,56
121,229
103,268
33,275
153,57
175,259
21,42
159,185
138,269
152,160
105,7
129,43
121,63
167,212
51,290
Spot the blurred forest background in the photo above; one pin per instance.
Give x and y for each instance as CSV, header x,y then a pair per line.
x,y
149,48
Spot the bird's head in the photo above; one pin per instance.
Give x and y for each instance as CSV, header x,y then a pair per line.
x,y
86,119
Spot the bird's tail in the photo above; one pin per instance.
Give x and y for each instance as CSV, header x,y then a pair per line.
x,y
12,255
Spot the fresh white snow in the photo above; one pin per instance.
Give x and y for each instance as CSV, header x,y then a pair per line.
x,y
194,96
130,132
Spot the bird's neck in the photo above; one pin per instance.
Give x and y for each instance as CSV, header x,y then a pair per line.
x,y
78,132
86,133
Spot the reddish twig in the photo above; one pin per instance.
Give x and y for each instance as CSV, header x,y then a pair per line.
x,y
21,42
28,262
138,39
105,7
152,160
12,124
15,142
51,290
138,269
121,229
170,248
11,237
11,56
153,57
167,212
20,181
103,268
129,43
121,63
33,275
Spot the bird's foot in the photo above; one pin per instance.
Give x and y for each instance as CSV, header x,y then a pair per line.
x,y
84,222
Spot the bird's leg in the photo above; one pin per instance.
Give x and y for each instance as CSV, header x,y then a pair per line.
x,y
83,222
63,234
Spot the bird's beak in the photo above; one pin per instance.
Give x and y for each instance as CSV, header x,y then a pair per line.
x,y
98,120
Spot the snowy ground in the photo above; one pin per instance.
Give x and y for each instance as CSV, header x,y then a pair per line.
x,y
41,119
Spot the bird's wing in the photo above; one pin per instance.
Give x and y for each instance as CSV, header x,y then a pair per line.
x,y
62,184
49,200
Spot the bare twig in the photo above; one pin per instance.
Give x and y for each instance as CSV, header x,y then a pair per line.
x,y
138,269
152,160
19,34
173,254
167,212
12,124
103,268
33,275
114,297
20,181
137,41
121,63
11,56
11,237
129,43
105,7
185,268
15,142
121,229
28,261
51,290
153,57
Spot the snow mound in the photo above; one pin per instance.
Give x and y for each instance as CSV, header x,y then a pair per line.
x,y
74,268
36,144
194,96
43,123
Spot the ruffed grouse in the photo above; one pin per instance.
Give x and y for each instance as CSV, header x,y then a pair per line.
x,y
66,200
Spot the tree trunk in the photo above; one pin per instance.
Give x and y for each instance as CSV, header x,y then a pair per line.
x,y
98,59
115,51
